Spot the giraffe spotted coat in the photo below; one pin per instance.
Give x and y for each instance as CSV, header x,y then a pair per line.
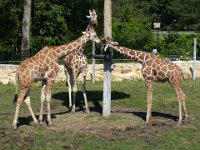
x,y
156,69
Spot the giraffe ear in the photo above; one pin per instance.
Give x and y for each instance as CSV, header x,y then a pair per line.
x,y
105,49
88,17
83,32
114,43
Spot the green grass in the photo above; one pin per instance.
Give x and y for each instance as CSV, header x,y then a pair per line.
x,y
126,94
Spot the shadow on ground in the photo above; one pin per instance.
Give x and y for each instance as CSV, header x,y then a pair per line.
x,y
96,98
93,96
156,114
142,114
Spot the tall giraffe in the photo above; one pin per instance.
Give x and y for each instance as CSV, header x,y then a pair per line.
x,y
43,66
92,17
155,69
76,63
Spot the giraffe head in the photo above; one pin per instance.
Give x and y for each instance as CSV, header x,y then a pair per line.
x,y
91,35
92,17
108,43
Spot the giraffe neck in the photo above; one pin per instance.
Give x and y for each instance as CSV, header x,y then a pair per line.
x,y
67,48
133,54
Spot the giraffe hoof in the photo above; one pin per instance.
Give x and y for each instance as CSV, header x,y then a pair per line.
x,y
179,123
87,111
148,123
36,125
72,110
40,122
50,125
14,126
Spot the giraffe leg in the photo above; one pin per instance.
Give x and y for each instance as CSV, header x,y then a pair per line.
x,y
180,98
149,99
184,110
48,99
42,99
20,98
84,92
69,90
28,103
74,96
180,111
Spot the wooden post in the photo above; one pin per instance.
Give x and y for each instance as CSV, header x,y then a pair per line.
x,y
194,59
107,62
93,62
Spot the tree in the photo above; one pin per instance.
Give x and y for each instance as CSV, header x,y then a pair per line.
x,y
10,25
25,46
54,22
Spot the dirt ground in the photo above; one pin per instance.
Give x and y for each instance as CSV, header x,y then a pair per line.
x,y
128,119
124,123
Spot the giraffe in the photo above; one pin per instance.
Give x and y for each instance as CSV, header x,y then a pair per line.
x,y
76,63
43,66
92,17
155,69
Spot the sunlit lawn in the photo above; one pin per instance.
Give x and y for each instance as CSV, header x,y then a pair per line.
x,y
131,94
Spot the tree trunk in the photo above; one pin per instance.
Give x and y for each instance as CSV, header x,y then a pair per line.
x,y
107,19
107,63
26,25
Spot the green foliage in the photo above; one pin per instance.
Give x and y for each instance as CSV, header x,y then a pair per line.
x,y
10,23
181,45
49,26
133,34
54,22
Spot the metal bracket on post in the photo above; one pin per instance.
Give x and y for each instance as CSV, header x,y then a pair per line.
x,y
106,55
103,56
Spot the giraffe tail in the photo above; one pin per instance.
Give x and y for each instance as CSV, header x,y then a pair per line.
x,y
186,80
16,89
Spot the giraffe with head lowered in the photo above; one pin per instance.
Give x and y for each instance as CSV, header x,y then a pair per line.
x,y
76,64
155,69
43,67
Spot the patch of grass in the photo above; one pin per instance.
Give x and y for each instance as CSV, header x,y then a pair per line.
x,y
179,138
163,134
112,144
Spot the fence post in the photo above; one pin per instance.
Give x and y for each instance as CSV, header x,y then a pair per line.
x,y
194,59
107,62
